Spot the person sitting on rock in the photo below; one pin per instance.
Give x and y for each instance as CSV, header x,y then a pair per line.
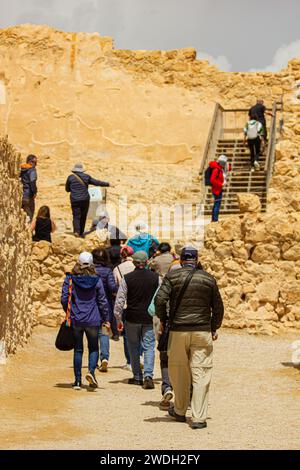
x,y
43,226
77,184
102,223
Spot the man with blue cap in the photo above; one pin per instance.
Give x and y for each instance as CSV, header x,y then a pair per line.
x,y
195,313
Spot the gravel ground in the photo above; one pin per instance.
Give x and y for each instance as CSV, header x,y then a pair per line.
x,y
254,401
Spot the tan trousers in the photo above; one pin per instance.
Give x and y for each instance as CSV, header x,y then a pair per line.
x,y
190,361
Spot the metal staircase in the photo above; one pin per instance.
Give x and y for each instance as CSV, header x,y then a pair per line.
x,y
226,137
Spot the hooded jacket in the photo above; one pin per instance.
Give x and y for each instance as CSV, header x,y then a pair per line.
x,y
109,284
79,191
217,177
28,178
89,305
142,242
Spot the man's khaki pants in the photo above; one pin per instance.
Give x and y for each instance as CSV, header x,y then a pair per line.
x,y
190,361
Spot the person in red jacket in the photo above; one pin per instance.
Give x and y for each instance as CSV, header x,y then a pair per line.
x,y
217,181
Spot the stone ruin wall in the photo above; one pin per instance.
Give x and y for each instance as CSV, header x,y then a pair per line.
x,y
16,318
73,94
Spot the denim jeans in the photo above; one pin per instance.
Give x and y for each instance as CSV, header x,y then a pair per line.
x,y
138,336
104,346
165,385
93,346
216,207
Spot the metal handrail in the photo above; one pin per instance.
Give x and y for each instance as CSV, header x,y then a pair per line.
x,y
218,109
271,146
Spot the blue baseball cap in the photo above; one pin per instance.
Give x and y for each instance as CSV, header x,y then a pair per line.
x,y
189,253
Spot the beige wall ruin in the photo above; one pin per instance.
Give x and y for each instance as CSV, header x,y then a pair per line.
x,y
16,318
129,116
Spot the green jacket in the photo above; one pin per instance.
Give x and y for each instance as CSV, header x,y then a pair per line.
x,y
201,308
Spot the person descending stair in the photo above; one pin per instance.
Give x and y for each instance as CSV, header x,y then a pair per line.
x,y
217,182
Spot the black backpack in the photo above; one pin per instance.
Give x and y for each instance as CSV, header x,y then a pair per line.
x,y
207,176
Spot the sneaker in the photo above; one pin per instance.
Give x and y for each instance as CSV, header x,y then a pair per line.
x,y
252,170
148,383
166,399
77,385
126,367
199,425
179,418
256,166
90,377
104,365
134,381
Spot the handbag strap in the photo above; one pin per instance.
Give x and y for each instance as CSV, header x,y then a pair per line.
x,y
181,294
68,313
79,179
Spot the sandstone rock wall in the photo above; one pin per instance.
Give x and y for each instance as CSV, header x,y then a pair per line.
x,y
74,95
256,261
16,318
50,263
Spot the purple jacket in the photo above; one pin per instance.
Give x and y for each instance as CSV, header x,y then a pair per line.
x,y
109,283
89,303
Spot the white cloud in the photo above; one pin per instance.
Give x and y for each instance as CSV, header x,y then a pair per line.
x,y
281,57
220,61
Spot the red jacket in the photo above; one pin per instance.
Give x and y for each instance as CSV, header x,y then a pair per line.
x,y
217,178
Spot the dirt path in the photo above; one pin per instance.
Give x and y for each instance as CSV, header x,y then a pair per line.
x,y
254,401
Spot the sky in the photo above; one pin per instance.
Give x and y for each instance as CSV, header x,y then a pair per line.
x,y
236,35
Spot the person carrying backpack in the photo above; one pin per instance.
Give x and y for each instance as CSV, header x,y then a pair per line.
x,y
215,176
253,131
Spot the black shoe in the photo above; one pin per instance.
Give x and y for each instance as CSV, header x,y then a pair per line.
x,y
148,383
77,385
179,418
199,425
90,377
77,235
134,381
116,338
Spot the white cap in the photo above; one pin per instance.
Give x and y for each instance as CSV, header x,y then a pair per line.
x,y
141,226
85,259
222,159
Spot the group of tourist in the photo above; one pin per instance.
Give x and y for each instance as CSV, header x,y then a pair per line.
x,y
184,298
255,132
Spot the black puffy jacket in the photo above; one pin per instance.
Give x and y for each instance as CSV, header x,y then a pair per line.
x,y
201,308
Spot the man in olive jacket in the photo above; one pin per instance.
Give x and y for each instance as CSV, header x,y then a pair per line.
x,y
193,328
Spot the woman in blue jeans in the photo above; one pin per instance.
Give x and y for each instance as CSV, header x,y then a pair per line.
x,y
89,310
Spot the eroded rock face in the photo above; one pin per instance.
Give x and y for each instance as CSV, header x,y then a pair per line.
x,y
50,264
16,318
248,202
259,281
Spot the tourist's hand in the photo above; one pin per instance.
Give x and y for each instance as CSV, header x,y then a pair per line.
x,y
106,324
120,326
214,335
